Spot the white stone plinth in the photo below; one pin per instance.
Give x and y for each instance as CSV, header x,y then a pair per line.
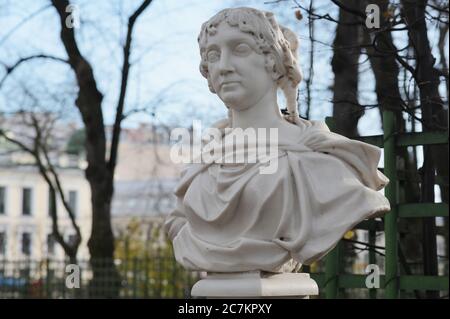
x,y
255,285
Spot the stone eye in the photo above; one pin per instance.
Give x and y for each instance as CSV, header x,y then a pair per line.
x,y
212,56
243,49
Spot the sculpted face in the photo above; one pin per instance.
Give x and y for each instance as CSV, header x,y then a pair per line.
x,y
236,70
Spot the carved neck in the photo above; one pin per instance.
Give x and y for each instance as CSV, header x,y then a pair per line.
x,y
264,114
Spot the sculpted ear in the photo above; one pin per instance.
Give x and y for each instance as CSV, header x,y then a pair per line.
x,y
271,66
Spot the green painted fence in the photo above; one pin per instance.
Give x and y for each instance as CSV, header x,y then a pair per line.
x,y
332,281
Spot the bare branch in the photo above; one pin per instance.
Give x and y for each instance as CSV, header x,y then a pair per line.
x,y
123,85
11,68
89,100
350,10
315,16
40,153
21,23
61,194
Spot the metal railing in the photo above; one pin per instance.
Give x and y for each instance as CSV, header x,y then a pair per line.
x,y
332,281
156,276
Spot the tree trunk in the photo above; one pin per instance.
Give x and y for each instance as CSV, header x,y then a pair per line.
x,y
435,117
106,279
346,109
386,71
443,36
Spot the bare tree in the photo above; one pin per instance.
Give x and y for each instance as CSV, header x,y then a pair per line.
x,y
435,117
101,161
100,170
40,147
409,18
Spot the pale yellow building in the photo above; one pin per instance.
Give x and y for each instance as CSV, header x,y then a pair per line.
x,y
25,223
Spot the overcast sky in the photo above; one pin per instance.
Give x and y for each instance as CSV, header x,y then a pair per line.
x,y
165,55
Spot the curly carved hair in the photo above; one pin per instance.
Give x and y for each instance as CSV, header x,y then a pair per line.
x,y
271,38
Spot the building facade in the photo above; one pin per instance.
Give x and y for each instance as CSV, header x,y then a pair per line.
x,y
144,182
25,221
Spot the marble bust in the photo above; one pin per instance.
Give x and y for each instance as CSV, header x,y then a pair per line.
x,y
231,218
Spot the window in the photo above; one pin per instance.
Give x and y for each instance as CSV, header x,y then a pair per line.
x,y
2,243
26,244
51,203
73,201
2,200
26,201
50,244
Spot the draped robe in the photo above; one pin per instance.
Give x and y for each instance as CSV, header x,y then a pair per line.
x,y
231,218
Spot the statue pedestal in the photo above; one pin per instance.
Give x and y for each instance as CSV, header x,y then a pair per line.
x,y
256,285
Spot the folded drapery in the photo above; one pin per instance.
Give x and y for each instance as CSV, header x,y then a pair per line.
x,y
231,218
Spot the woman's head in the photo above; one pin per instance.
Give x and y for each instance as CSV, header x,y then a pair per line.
x,y
275,44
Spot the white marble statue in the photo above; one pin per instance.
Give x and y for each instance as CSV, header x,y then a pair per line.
x,y
232,218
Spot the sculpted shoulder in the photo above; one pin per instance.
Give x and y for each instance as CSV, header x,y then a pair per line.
x,y
289,133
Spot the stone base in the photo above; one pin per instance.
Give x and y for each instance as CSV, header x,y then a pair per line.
x,y
255,285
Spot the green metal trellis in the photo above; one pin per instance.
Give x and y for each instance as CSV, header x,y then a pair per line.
x,y
331,281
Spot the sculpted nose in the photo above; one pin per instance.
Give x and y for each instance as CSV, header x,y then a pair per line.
x,y
225,65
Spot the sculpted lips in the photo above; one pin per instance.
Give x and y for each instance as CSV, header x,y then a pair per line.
x,y
227,83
